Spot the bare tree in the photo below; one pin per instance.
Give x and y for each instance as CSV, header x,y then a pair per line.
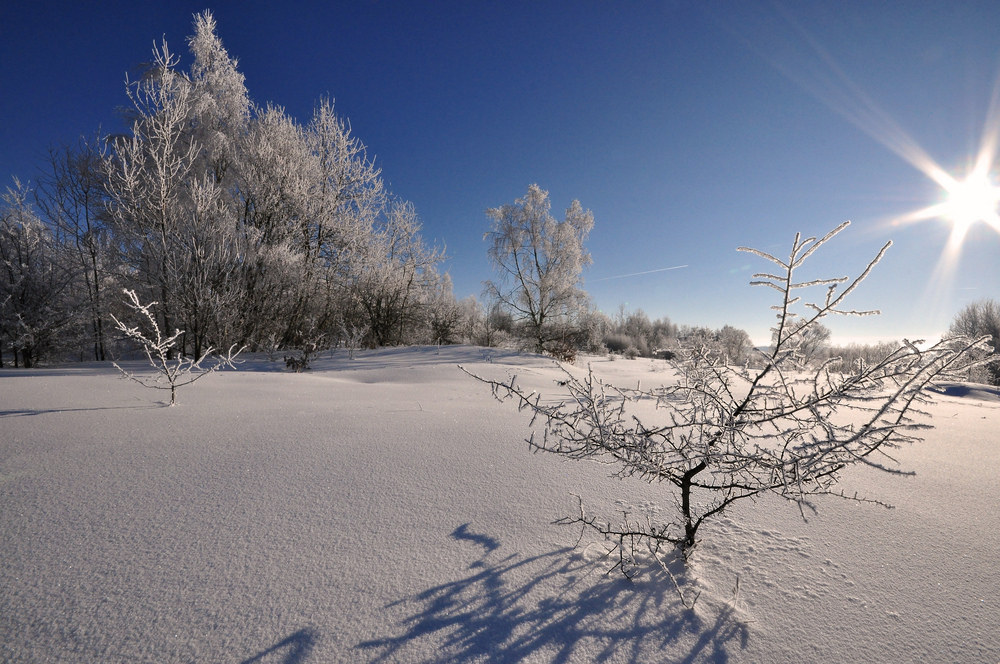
x,y
538,262
173,370
810,342
733,432
392,273
71,197
36,309
978,318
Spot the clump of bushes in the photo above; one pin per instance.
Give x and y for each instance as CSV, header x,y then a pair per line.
x,y
855,358
980,319
633,334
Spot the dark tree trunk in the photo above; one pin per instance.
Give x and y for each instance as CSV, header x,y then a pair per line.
x,y
690,525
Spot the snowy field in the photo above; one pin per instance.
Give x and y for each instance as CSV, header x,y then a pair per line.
x,y
386,509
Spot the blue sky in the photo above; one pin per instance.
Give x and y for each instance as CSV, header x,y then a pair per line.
x,y
687,128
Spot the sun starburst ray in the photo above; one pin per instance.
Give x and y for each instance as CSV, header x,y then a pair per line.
x,y
968,198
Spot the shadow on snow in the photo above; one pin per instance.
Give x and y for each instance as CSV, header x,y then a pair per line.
x,y
24,412
558,606
295,649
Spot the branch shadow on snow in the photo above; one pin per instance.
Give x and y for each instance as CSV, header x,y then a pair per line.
x,y
558,606
487,542
27,412
295,649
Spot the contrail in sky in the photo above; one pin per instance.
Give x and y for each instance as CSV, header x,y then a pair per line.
x,y
635,274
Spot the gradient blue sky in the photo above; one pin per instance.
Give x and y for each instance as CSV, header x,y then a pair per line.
x,y
687,128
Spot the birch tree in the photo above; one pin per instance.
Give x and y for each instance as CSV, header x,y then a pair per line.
x,y
71,196
539,263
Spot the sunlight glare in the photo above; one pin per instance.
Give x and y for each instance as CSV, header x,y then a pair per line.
x,y
973,200
965,201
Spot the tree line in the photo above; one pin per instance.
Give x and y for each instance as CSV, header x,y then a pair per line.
x,y
247,227
244,226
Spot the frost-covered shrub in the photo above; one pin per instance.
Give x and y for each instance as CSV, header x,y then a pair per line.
x,y
853,358
593,326
728,432
981,317
173,370
486,325
352,336
634,334
564,352
730,344
635,330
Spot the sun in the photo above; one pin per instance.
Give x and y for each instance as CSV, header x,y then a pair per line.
x,y
965,202
969,201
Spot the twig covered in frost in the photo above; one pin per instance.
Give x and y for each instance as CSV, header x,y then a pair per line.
x,y
172,373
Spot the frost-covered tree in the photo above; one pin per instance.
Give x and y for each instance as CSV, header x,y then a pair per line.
x,y
171,186
245,225
395,273
149,174
340,251
809,341
727,433
71,198
221,109
735,344
539,263
178,195
348,225
484,323
272,188
443,314
980,318
36,308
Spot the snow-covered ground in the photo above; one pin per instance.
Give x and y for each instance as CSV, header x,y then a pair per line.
x,y
387,509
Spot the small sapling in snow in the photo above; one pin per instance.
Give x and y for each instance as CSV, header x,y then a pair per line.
x,y
171,372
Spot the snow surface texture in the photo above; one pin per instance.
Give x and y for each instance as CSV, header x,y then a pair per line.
x,y
386,509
